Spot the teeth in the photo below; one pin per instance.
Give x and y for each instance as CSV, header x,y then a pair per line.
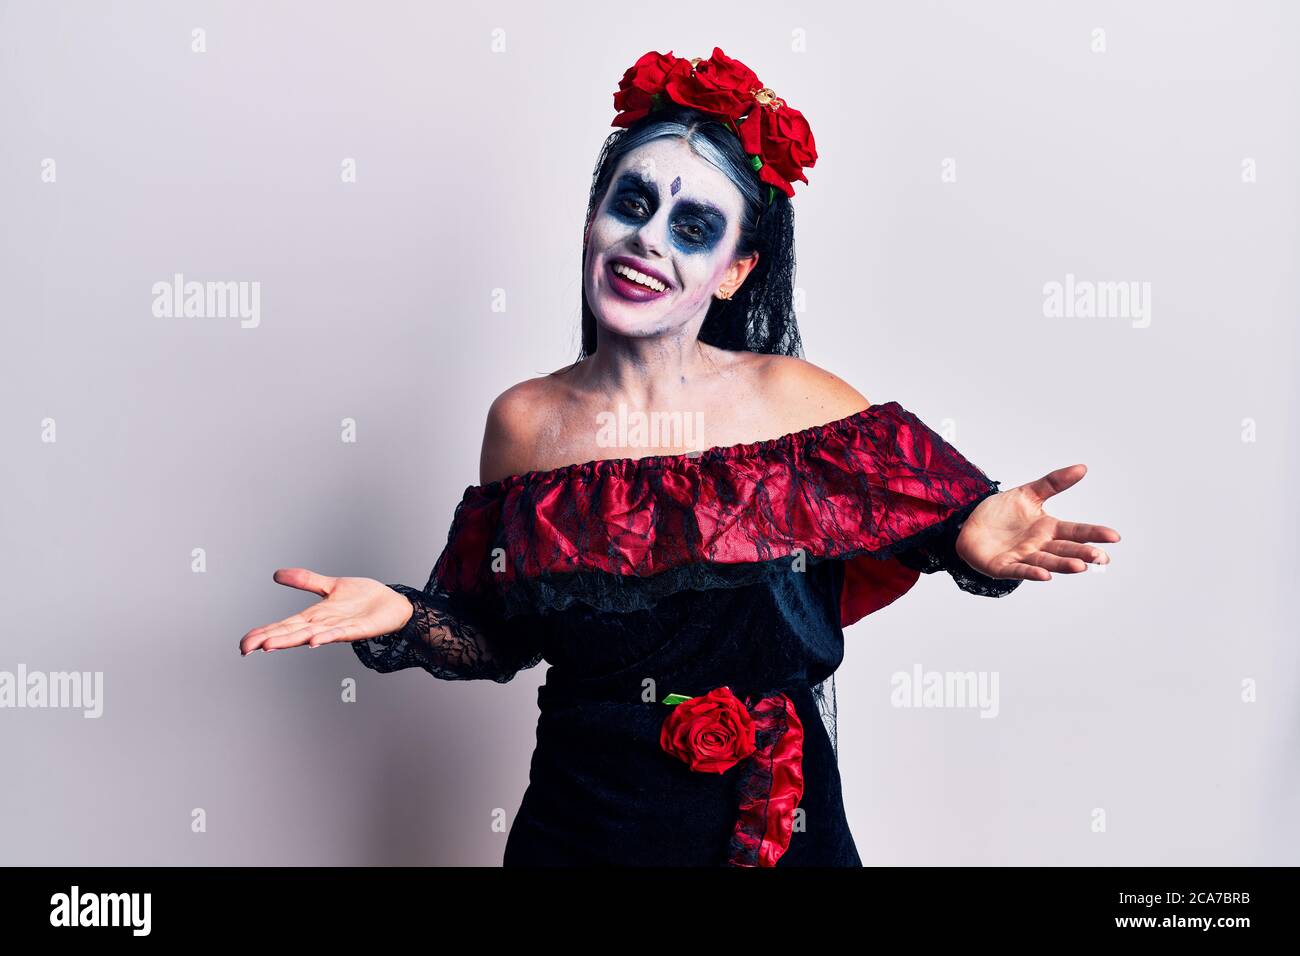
x,y
640,277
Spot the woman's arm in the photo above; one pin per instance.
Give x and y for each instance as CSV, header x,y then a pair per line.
x,y
1005,538
393,627
439,638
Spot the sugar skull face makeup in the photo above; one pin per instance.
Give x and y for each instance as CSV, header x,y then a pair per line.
x,y
662,241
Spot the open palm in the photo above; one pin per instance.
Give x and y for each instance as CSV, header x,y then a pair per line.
x,y
354,609
1009,535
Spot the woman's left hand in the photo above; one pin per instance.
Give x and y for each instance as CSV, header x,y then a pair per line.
x,y
1009,535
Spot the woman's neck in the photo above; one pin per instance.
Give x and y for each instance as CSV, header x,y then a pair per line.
x,y
649,372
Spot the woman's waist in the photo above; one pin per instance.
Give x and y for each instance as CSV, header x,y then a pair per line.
x,y
620,733
637,688
717,764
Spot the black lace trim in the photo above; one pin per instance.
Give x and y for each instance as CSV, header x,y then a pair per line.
x,y
935,549
451,640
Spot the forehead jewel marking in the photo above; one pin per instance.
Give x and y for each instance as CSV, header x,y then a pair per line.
x,y
677,184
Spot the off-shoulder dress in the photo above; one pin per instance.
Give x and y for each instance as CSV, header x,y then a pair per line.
x,y
645,582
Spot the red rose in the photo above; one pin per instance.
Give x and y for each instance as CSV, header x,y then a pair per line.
x,y
642,81
711,733
730,91
719,85
784,140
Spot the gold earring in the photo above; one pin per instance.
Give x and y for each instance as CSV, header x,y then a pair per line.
x,y
724,295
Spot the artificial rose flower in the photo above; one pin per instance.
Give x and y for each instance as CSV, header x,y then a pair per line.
x,y
640,83
711,733
785,142
719,85
724,88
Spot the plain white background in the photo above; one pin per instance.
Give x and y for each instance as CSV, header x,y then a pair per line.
x,y
1120,691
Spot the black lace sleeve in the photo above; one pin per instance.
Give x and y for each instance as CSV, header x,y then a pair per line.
x,y
937,551
453,640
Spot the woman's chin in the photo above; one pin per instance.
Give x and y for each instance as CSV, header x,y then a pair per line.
x,y
633,319
632,329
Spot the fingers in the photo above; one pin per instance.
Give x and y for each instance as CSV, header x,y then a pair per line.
x,y
1055,562
1063,557
305,627
298,630
1054,482
303,635
314,635
339,632
306,580
1084,552
1076,531
1026,572
259,635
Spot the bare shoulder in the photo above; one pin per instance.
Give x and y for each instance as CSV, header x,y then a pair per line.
x,y
522,421
802,394
514,420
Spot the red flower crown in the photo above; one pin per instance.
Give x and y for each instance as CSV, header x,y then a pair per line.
x,y
775,134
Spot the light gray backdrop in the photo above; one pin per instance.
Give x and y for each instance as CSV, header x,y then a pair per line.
x,y
971,154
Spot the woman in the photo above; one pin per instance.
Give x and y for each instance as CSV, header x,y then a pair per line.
x,y
690,603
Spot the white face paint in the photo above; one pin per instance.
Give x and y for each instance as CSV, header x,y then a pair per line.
x,y
686,241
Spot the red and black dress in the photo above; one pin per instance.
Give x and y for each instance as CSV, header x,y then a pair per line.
x,y
691,610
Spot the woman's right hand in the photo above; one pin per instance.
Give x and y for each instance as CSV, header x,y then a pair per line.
x,y
354,609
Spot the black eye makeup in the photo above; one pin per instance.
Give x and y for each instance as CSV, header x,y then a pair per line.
x,y
696,225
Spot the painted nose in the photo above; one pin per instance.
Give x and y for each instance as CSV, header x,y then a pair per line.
x,y
649,242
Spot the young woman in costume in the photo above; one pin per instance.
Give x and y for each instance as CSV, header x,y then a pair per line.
x,y
690,605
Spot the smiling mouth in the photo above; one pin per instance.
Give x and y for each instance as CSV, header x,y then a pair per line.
x,y
633,285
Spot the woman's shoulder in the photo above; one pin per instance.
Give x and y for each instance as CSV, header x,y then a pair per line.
x,y
800,395
517,420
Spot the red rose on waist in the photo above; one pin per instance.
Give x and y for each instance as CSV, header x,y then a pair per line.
x,y
711,733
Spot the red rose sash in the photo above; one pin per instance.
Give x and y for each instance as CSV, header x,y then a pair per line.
x,y
772,785
715,732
